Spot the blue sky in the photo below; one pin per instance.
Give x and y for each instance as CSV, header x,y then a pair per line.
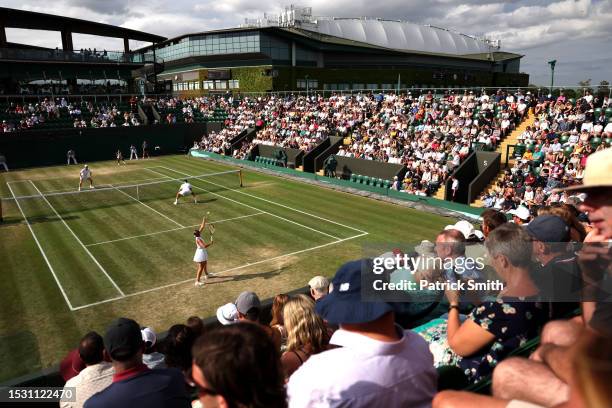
x,y
577,33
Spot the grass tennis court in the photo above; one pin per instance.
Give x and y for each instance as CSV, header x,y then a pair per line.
x,y
71,262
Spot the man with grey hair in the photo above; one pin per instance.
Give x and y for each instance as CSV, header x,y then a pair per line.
x,y
319,287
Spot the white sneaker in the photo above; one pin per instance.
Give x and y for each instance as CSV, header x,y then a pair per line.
x,y
79,188
175,202
195,201
91,187
199,284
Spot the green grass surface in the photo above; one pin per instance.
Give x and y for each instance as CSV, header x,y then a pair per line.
x,y
128,252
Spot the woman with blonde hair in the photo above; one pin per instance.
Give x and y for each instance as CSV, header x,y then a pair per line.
x,y
306,333
277,322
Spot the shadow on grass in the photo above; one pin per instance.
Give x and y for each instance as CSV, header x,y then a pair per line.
x,y
19,355
237,278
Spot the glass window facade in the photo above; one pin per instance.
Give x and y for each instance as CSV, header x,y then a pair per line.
x,y
211,44
275,48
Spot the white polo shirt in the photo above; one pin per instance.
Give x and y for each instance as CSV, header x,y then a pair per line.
x,y
364,372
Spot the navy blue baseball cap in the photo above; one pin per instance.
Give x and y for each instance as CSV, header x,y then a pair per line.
x,y
548,228
343,304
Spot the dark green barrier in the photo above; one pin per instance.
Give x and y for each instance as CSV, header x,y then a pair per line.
x,y
321,155
349,165
294,156
48,147
430,201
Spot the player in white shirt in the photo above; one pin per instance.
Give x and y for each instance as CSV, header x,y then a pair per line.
x,y
185,190
85,175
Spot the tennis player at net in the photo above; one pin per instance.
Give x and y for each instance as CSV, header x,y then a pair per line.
x,y
185,190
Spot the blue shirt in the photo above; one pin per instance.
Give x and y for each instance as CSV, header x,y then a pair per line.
x,y
160,388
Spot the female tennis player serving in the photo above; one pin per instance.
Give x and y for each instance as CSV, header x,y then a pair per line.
x,y
201,255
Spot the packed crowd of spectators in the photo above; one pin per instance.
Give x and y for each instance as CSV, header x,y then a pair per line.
x,y
331,347
553,152
428,134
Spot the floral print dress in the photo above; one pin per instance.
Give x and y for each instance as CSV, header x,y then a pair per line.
x,y
513,321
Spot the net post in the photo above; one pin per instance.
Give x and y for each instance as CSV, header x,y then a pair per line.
x,y
137,192
240,176
1,214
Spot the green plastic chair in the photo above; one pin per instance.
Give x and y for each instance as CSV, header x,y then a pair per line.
x,y
386,184
608,141
367,180
564,138
353,177
359,179
608,113
595,142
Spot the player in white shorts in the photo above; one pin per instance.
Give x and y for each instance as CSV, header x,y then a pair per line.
x,y
201,255
185,190
85,175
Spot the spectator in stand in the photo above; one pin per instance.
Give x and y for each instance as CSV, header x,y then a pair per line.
x,y
496,328
551,374
151,357
591,364
319,287
277,322
134,384
248,309
238,366
307,334
196,325
376,364
492,219
177,347
95,377
520,215
227,314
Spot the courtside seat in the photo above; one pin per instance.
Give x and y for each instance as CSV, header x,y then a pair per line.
x,y
353,177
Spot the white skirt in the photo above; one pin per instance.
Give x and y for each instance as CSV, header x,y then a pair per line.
x,y
200,255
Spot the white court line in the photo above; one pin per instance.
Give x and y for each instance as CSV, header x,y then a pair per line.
x,y
76,191
149,207
42,252
250,206
170,230
79,241
190,280
268,201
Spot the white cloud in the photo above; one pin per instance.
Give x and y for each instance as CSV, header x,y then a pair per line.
x,y
531,27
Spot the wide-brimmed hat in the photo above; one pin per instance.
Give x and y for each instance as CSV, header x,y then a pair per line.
x,y
598,172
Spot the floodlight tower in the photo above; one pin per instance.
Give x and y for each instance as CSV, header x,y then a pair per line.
x,y
552,74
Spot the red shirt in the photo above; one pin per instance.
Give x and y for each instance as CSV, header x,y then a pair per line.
x,y
124,375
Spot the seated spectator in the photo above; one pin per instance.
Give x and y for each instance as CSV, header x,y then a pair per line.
x,y
592,364
196,325
551,375
376,363
71,365
134,384
238,366
151,357
306,332
557,276
176,347
492,219
97,374
520,215
248,307
227,314
277,322
495,328
319,287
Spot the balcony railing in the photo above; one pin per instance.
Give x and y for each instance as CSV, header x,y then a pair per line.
x,y
76,56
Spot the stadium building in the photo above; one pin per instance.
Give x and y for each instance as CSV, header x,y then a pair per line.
x,y
25,68
296,51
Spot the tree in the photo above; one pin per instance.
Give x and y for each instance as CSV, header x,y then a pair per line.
x,y
603,88
586,85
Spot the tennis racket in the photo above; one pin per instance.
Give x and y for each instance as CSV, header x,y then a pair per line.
x,y
211,228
